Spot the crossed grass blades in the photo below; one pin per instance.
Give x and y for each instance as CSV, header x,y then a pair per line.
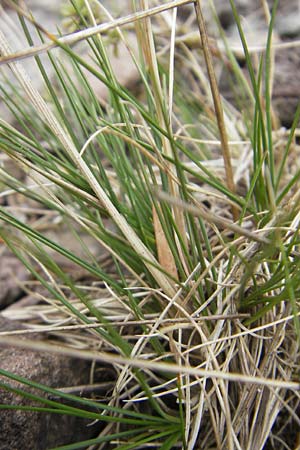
x,y
194,296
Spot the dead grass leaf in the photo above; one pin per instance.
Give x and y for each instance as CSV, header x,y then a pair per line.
x,y
165,256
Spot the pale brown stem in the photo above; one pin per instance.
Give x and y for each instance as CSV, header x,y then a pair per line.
x,y
217,104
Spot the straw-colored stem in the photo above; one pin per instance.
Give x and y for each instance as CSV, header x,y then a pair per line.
x,y
148,47
217,104
81,35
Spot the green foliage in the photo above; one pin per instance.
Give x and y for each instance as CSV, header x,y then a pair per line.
x,y
100,167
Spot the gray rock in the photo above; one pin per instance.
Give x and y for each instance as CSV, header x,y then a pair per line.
x,y
286,92
286,87
287,21
12,274
23,430
288,25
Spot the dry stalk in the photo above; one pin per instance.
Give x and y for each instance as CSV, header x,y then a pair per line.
x,y
147,42
77,36
148,364
217,104
164,254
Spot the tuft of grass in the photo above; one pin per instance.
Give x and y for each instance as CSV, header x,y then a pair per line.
x,y
185,218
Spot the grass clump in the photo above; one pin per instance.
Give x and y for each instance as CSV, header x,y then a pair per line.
x,y
185,216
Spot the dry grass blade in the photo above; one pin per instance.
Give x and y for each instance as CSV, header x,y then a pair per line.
x,y
213,218
152,365
165,256
174,322
148,46
217,104
78,36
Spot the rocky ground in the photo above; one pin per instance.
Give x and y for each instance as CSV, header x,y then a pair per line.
x,y
34,431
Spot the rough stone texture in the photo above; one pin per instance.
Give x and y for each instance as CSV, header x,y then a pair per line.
x,y
286,87
286,93
287,21
244,7
22,430
12,274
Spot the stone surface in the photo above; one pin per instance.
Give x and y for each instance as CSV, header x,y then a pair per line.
x,y
23,430
287,17
286,92
12,275
286,86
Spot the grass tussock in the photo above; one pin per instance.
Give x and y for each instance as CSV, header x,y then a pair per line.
x,y
160,226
